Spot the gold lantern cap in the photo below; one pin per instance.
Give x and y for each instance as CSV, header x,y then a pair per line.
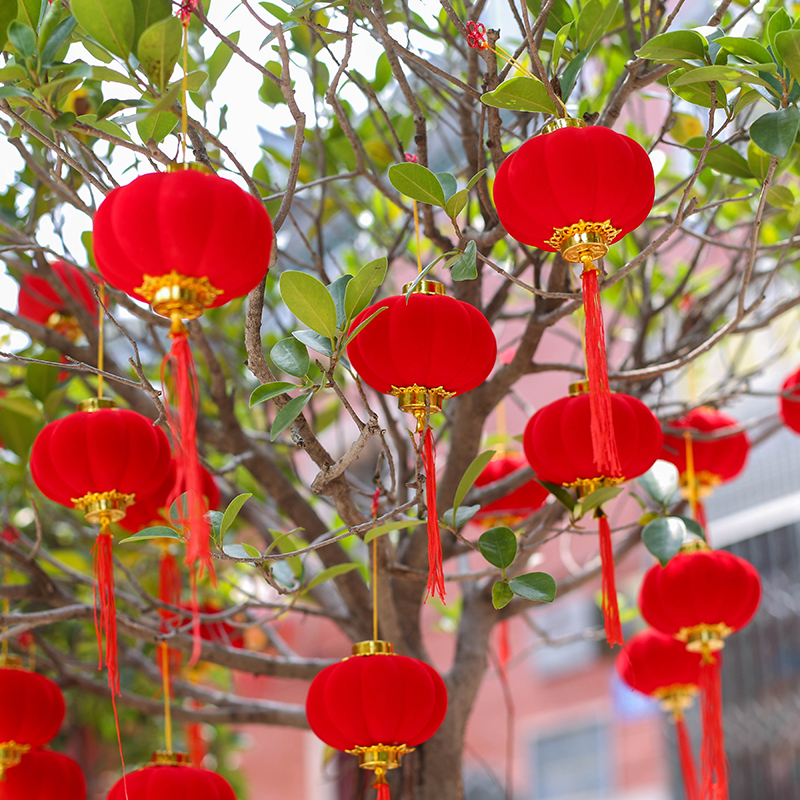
x,y
96,403
168,758
373,647
558,124
425,287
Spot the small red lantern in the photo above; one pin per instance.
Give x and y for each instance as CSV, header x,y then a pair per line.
x,y
657,665
703,463
39,302
559,447
99,459
31,711
700,598
145,245
515,505
575,190
376,705
171,777
423,350
789,402
43,775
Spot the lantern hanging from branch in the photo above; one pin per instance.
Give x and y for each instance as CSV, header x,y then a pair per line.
x,y
44,775
423,350
560,448
31,711
98,459
576,190
705,454
660,666
376,705
183,241
789,402
519,502
700,598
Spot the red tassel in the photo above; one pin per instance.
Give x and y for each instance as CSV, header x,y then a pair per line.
x,y
713,762
169,591
700,517
382,787
691,788
610,606
195,743
503,648
435,566
604,444
105,597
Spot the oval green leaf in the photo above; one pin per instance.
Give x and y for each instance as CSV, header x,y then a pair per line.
x,y
674,46
156,532
471,474
593,21
394,525
23,38
417,182
331,572
660,481
291,356
722,158
499,547
501,594
320,344
360,290
745,48
464,267
309,300
269,390
159,49
663,537
775,131
521,94
537,586
42,379
288,414
232,511
110,22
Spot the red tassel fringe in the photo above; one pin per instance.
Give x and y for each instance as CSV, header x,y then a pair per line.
x,y
503,648
610,606
196,744
713,762
604,444
169,591
691,787
383,792
435,566
105,598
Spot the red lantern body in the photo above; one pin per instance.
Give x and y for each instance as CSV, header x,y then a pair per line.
x,y
789,407
197,225
44,775
171,781
574,175
558,443
516,504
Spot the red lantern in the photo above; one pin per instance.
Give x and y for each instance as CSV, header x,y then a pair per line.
x,y
559,447
43,775
422,351
703,463
171,777
575,190
99,459
789,405
515,505
183,241
700,598
376,705
659,666
39,302
31,711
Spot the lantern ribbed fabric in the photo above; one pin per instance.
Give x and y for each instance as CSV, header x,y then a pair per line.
x,y
701,597
789,407
426,343
518,503
163,782
44,775
559,446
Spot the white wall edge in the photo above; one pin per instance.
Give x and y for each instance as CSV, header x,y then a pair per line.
x,y
759,519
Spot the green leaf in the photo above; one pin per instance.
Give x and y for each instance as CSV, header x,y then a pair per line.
x,y
14,91
194,81
538,586
693,526
674,46
776,131
54,400
147,13
787,47
291,356
104,125
220,58
318,343
501,594
363,324
156,532
661,482
30,12
717,73
159,49
663,537
23,38
232,511
781,197
394,525
309,300
360,290
569,77
780,21
758,161
455,204
499,547
449,183
722,158
475,178
110,22
699,94
462,516
331,572
745,48
596,498
63,122
242,550
561,494
215,520
288,414
558,46
520,94
593,21
337,292
57,39
13,73
409,287
156,126
269,390
8,12
471,474
41,379
417,182
20,422
464,266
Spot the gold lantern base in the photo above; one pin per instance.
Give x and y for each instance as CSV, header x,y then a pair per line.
x,y
103,507
168,758
676,698
64,324
10,755
380,757
584,241
420,401
705,639
177,296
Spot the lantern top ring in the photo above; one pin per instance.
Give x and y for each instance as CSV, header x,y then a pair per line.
x,y
373,647
9,661
426,287
168,758
563,122
96,403
694,545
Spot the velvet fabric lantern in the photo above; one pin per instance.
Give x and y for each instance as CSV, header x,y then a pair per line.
x,y
660,666
44,775
422,351
560,448
376,705
519,502
789,402
184,241
171,777
700,598
575,190
98,460
39,302
703,463
31,711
